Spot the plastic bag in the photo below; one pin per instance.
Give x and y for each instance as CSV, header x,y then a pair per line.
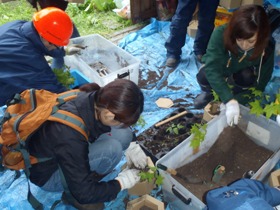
x,y
123,8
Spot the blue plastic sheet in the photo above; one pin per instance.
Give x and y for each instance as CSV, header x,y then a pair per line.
x,y
275,3
178,84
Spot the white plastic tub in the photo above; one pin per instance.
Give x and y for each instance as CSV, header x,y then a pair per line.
x,y
103,54
260,130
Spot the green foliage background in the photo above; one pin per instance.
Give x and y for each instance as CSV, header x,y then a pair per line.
x,y
94,16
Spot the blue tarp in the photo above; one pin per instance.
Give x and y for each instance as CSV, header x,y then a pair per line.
x,y
178,84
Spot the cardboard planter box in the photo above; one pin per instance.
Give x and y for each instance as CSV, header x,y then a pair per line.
x,y
143,188
102,61
245,2
145,201
263,132
230,4
208,111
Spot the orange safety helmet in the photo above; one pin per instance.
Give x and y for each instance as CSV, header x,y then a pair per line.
x,y
54,25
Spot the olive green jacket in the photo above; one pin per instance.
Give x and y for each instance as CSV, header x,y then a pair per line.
x,y
220,64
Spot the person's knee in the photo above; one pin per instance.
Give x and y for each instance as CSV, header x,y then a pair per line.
x,y
124,136
104,157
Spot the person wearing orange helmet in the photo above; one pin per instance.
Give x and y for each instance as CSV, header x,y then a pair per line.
x,y
57,63
23,47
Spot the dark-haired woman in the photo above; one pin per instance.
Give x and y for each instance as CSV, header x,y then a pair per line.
x,y
107,113
239,55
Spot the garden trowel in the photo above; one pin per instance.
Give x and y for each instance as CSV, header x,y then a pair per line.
x,y
187,179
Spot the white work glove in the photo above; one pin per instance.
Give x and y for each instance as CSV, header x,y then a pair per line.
x,y
136,156
74,49
128,178
232,112
278,119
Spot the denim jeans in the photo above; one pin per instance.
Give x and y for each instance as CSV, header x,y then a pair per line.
x,y
181,20
104,155
58,63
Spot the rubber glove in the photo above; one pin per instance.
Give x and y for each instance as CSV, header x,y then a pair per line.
x,y
74,49
232,112
128,178
135,155
278,119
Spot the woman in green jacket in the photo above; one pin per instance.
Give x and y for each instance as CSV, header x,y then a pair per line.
x,y
240,55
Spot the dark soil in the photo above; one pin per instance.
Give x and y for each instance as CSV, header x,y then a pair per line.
x,y
158,141
235,151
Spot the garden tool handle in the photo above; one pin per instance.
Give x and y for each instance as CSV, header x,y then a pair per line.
x,y
171,118
168,170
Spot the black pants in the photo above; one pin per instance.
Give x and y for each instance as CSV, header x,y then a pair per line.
x,y
241,80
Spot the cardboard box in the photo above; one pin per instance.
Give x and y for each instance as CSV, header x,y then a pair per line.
x,y
192,28
145,201
145,187
230,4
258,2
178,196
102,61
274,178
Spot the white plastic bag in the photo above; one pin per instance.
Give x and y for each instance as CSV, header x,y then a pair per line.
x,y
123,8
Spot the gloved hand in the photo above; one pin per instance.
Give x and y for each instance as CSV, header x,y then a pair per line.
x,y
74,49
232,112
128,178
278,119
135,155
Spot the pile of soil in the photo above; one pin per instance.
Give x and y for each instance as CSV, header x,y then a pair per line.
x,y
235,151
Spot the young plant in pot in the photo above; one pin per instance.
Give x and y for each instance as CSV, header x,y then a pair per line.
x,y
212,108
149,179
198,131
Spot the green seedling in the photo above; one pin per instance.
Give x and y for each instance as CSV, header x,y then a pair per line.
x,y
216,96
64,77
198,131
261,104
151,175
174,128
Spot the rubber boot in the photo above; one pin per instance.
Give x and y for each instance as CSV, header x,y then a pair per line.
x,y
204,98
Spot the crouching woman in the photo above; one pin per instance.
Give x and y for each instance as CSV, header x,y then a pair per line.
x,y
107,113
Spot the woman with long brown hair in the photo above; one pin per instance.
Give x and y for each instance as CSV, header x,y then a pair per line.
x,y
240,55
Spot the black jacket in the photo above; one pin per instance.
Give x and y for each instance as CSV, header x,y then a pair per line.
x,y
69,149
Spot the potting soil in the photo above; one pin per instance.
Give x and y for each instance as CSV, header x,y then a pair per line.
x,y
235,151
